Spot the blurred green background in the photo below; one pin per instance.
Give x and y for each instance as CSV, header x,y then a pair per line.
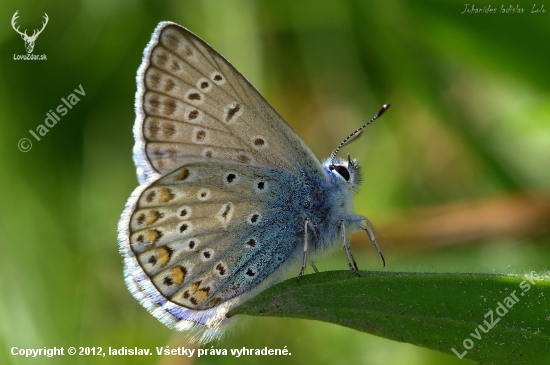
x,y
456,173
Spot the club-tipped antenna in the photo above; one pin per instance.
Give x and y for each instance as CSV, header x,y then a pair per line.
x,y
356,133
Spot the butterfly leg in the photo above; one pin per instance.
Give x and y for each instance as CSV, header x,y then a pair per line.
x,y
347,249
351,255
314,267
369,231
304,259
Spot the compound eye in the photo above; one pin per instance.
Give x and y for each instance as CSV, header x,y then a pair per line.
x,y
344,172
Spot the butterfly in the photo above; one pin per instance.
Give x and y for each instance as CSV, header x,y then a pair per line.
x,y
231,200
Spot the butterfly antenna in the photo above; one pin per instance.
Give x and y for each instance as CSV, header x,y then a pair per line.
x,y
356,133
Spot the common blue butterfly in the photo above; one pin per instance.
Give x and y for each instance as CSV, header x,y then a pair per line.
x,y
231,199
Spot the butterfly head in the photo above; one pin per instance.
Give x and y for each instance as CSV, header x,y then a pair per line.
x,y
347,171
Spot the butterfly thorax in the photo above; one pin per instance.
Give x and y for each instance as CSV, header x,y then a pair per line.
x,y
332,204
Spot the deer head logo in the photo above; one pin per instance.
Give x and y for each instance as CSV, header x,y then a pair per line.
x,y
29,41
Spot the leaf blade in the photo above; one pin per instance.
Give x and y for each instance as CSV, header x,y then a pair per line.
x,y
438,311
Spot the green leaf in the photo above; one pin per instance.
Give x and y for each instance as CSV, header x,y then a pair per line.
x,y
438,311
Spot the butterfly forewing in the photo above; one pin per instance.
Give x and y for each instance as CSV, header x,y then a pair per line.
x,y
192,103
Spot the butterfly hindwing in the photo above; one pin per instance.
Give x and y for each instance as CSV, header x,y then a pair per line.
x,y
210,231
191,102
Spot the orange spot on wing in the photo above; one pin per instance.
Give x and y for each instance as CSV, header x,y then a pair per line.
x,y
182,175
201,295
165,195
163,255
178,274
153,216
